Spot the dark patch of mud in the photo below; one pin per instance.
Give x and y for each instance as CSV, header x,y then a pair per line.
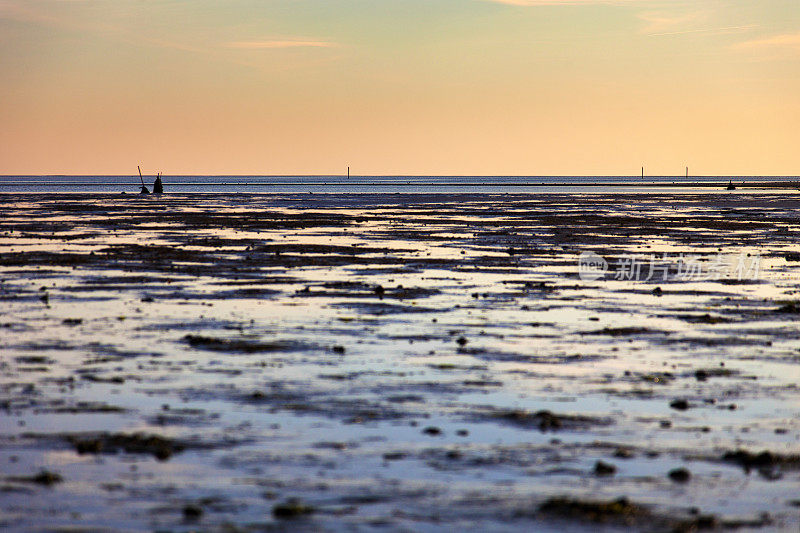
x,y
621,513
541,420
247,346
625,331
381,308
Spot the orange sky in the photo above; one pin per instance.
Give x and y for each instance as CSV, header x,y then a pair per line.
x,y
531,87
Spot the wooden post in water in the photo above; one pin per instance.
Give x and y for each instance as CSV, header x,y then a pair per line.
x,y
642,172
140,175
348,172
687,173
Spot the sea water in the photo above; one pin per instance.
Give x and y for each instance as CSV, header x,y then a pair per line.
x,y
379,184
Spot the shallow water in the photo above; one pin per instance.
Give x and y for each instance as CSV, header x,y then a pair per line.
x,y
422,361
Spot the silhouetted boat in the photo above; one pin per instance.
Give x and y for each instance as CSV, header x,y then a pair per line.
x,y
730,186
143,190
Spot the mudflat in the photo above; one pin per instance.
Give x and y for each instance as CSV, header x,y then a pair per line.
x,y
426,362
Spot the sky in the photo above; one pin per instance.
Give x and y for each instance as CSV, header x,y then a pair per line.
x,y
400,87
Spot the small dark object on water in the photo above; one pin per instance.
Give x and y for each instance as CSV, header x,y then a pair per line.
x,y
730,186
158,187
44,477
192,512
44,298
623,453
339,349
72,321
679,475
291,508
680,405
144,190
394,456
47,478
379,290
657,291
604,469
432,430
461,341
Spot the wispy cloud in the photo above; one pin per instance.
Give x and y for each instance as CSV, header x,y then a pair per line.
x,y
258,45
788,41
660,22
711,31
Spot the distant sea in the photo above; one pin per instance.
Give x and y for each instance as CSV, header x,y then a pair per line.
x,y
378,184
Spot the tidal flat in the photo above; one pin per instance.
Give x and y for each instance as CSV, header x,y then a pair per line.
x,y
399,362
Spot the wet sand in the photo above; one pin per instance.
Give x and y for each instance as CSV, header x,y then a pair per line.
x,y
396,362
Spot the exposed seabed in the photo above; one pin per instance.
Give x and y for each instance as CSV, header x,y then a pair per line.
x,y
421,362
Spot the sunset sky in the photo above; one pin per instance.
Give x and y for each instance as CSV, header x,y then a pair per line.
x,y
527,87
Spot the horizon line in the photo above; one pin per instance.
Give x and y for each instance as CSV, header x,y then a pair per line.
x,y
638,176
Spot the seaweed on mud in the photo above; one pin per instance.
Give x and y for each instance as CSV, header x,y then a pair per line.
x,y
34,360
216,344
623,513
659,378
44,477
541,287
761,460
716,341
703,374
259,279
790,308
542,420
362,290
162,448
704,319
381,308
349,410
625,331
291,509
28,259
81,407
181,417
307,248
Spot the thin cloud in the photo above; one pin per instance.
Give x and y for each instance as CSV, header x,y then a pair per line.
x,y
789,41
661,23
261,45
711,31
